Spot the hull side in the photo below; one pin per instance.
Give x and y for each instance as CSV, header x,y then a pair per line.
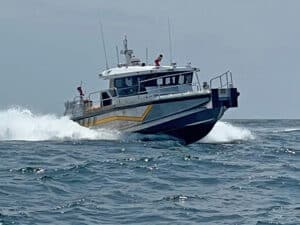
x,y
189,128
133,119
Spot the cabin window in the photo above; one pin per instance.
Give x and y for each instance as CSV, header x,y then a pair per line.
x,y
150,82
168,80
159,81
119,83
176,79
127,86
105,95
106,100
128,81
181,79
188,79
173,81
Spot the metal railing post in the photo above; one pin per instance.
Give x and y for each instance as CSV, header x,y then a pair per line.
x,y
227,79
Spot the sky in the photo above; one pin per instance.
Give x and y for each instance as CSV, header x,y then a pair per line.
x,y
48,47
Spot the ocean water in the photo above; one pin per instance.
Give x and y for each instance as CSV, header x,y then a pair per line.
x,y
52,171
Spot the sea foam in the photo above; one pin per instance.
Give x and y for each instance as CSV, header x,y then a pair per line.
x,y
224,132
22,124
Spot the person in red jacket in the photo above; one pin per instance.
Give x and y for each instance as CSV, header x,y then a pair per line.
x,y
158,59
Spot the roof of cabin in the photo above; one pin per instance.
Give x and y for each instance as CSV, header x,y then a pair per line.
x,y
141,70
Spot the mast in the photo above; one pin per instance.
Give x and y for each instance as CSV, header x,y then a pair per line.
x,y
118,60
146,56
170,42
103,43
127,52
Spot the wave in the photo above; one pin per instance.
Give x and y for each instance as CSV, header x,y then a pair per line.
x,y
224,132
287,130
22,124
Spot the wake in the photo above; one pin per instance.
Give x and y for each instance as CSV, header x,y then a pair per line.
x,y
21,124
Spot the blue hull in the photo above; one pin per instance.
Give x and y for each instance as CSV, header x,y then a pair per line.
x,y
185,128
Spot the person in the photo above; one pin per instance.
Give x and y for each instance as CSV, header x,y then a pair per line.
x,y
79,89
158,59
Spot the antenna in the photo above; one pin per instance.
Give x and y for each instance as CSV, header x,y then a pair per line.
x,y
103,43
170,41
117,51
146,56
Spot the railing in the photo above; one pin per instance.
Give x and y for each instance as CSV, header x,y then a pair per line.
x,y
99,100
171,89
77,98
227,83
137,90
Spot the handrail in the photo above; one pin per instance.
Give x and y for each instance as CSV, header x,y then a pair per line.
x,y
77,97
92,93
159,87
228,77
101,91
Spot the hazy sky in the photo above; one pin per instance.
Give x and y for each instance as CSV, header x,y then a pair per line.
x,y
48,47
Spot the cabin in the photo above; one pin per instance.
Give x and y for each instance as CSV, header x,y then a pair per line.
x,y
136,80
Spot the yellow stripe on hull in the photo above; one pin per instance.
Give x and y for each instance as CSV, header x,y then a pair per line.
x,y
122,118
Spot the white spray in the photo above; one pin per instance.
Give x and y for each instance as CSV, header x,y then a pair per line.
x,y
22,124
224,132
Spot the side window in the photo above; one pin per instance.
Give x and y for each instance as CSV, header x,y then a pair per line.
x,y
173,80
128,81
159,81
141,84
176,80
168,80
134,81
181,79
105,95
188,79
119,83
106,99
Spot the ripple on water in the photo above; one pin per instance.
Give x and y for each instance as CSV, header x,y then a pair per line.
x,y
29,170
153,180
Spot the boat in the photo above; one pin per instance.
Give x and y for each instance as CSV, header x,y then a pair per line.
x,y
155,99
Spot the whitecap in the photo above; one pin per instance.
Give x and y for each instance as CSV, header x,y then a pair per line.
x,y
224,132
21,124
